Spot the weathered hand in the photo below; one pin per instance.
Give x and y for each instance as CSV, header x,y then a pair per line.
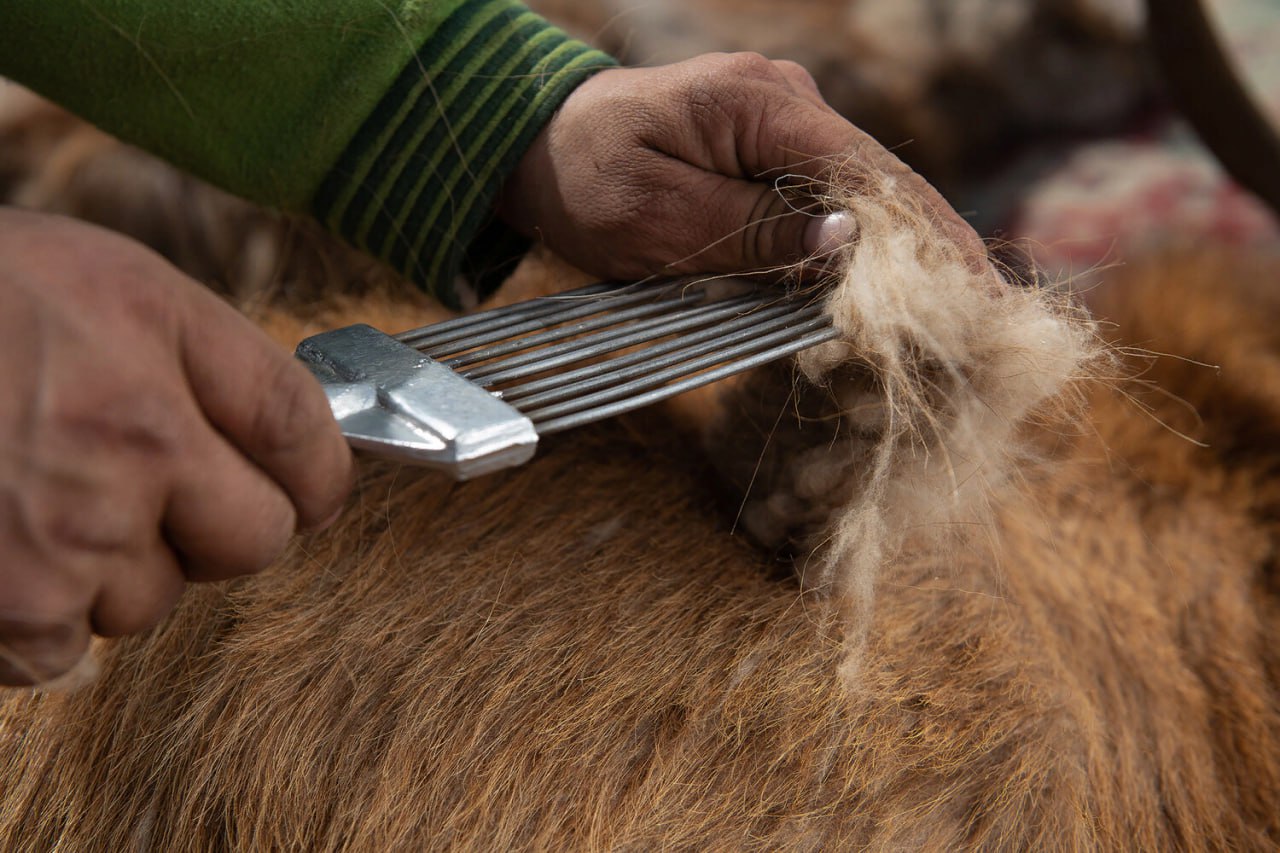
x,y
148,434
673,169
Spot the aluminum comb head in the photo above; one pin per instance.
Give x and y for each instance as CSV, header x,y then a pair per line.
x,y
472,395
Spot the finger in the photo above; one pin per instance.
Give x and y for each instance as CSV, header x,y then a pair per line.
x,y
801,81
44,601
827,234
739,225
138,591
817,144
33,651
224,516
269,407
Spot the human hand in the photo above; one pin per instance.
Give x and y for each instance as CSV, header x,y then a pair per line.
x,y
149,434
673,170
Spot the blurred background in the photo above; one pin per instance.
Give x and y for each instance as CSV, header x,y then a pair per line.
x,y
1045,122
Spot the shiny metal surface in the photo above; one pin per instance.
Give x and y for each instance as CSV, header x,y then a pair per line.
x,y
472,395
393,401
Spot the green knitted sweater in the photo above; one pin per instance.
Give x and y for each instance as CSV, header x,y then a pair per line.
x,y
394,122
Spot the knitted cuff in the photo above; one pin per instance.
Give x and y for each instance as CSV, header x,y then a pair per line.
x,y
417,183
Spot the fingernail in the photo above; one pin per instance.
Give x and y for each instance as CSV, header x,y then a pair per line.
x,y
826,234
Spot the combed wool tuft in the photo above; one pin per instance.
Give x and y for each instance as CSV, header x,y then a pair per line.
x,y
941,361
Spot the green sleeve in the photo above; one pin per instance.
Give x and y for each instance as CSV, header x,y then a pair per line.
x,y
394,122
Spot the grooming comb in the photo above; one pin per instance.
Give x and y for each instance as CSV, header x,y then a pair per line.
x,y
472,395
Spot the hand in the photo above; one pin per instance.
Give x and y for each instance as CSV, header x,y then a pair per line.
x,y
673,170
149,434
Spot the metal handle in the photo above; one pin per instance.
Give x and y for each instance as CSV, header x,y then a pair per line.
x,y
395,402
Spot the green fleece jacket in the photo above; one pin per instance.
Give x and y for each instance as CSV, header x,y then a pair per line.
x,y
394,122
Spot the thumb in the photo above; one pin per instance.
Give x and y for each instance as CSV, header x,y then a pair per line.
x,y
743,225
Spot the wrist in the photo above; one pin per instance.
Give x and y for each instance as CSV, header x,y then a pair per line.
x,y
418,183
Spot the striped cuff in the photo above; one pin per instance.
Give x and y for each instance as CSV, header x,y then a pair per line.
x,y
417,183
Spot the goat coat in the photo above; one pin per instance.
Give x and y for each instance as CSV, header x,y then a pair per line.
x,y
590,653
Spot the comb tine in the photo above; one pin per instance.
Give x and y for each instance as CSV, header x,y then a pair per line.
x,y
499,371
436,334
608,316
505,327
546,423
661,356
563,311
646,379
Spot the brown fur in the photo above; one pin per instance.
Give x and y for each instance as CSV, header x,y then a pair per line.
x,y
580,654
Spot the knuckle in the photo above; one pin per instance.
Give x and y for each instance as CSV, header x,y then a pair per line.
x,y
331,497
144,425
280,523
122,623
734,90
266,528
292,411
87,509
145,605
98,527
705,103
750,65
795,71
146,291
300,447
34,650
134,411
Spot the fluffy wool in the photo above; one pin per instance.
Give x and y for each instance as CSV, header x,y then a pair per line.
x,y
940,364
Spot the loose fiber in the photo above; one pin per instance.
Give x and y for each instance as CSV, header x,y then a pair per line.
x,y
940,363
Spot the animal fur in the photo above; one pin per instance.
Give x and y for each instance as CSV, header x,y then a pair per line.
x,y
914,412
579,653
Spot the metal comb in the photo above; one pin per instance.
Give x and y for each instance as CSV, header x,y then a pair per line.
x,y
472,395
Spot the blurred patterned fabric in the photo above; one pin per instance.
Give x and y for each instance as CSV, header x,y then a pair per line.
x,y
1089,205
